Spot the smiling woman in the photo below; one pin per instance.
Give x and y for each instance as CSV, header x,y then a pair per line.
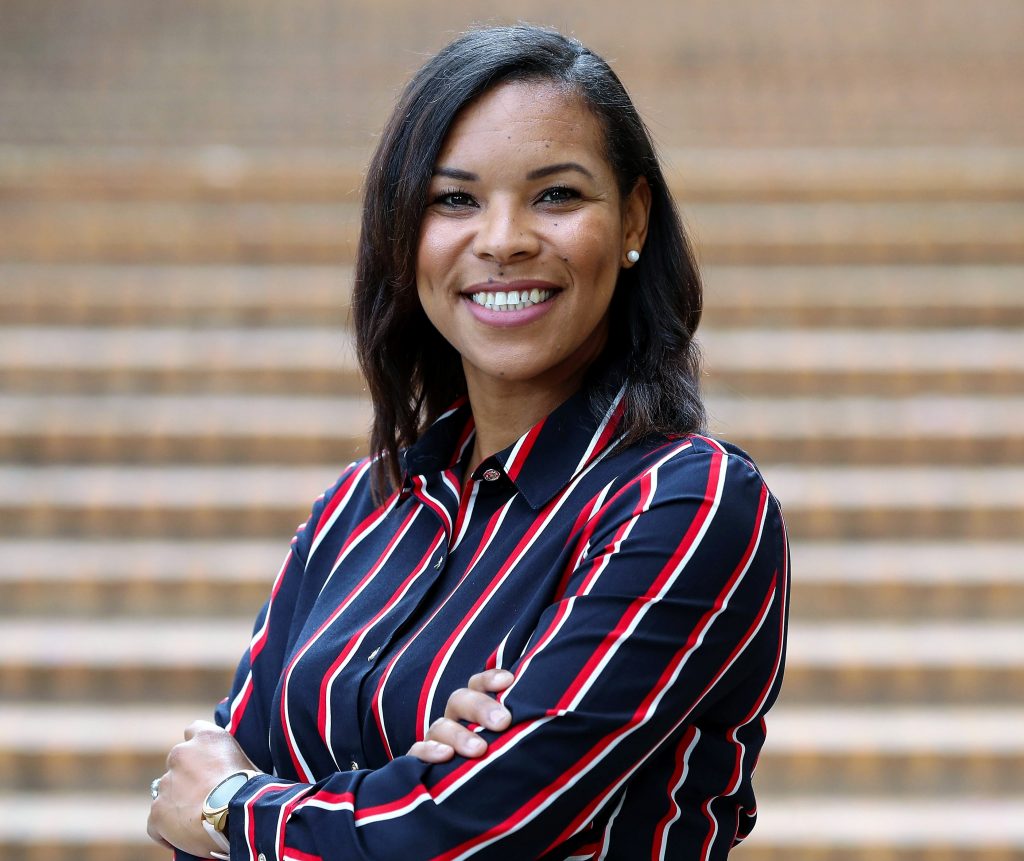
x,y
542,520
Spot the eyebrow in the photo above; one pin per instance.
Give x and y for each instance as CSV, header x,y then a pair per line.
x,y
539,173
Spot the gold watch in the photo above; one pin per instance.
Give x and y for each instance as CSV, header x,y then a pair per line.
x,y
215,808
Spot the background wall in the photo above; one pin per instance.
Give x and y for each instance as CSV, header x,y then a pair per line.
x,y
179,191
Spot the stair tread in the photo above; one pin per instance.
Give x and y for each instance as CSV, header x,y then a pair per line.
x,y
840,488
316,348
316,416
867,563
977,729
963,821
174,642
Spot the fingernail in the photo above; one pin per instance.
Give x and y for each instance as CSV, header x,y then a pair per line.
x,y
476,743
497,715
503,677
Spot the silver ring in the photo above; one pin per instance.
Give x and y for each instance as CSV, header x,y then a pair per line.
x,y
154,788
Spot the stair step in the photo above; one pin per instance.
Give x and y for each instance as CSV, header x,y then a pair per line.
x,y
192,659
321,361
243,501
92,826
930,752
750,173
844,581
207,232
736,296
248,428
184,429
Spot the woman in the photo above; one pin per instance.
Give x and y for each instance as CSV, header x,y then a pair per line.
x,y
542,502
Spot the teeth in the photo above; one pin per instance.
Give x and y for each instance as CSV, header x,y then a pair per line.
x,y
513,300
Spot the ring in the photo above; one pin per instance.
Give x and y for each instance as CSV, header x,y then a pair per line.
x,y
154,788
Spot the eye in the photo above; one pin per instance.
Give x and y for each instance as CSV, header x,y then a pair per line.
x,y
559,194
453,198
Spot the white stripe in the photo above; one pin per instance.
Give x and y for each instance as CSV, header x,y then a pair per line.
x,y
512,455
495,588
607,837
368,628
435,681
424,796
381,515
444,511
423,627
499,655
662,836
652,708
306,771
526,731
600,430
255,639
337,511
605,559
451,485
468,516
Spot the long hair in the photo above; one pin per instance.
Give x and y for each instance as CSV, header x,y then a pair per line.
x,y
413,374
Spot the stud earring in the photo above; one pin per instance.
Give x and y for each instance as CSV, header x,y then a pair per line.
x,y
632,255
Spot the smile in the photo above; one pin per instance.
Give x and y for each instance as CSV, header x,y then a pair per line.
x,y
513,300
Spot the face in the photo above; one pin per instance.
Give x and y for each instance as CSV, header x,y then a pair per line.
x,y
524,236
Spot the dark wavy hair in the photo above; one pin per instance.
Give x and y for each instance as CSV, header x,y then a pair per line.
x,y
413,374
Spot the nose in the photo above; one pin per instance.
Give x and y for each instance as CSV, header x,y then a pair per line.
x,y
505,233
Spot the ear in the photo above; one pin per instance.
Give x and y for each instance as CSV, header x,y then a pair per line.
x,y
636,212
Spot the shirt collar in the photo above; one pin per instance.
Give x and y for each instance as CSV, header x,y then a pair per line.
x,y
540,463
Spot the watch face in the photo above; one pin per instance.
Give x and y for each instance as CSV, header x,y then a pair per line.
x,y
225,790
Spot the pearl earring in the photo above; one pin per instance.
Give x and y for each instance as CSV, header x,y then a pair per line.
x,y
632,255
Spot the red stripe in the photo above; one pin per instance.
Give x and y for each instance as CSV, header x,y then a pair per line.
x,y
363,527
375,707
297,855
482,599
661,830
513,469
346,653
339,495
391,806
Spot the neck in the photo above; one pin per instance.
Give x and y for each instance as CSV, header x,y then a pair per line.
x,y
503,411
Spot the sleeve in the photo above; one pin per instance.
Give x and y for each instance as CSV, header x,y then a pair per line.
x,y
658,619
245,711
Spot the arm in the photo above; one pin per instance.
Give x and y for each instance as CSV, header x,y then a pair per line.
x,y
675,604
207,755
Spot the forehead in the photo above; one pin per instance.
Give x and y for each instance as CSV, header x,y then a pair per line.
x,y
525,118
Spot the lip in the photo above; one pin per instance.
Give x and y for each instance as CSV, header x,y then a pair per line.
x,y
507,319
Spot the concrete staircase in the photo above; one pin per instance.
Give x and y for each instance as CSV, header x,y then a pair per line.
x,y
177,384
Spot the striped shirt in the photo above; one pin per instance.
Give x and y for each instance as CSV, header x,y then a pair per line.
x,y
639,595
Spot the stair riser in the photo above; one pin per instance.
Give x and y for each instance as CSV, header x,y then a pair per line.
x,y
325,381
864,773
837,685
344,445
216,598
804,524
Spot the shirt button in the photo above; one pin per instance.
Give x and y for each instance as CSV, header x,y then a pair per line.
x,y
373,654
491,475
354,765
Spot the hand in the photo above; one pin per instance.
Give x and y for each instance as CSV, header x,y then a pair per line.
x,y
194,767
472,704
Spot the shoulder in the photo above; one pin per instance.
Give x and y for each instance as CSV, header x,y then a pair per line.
x,y
351,491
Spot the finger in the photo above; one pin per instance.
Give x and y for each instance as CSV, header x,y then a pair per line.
x,y
432,751
456,736
491,680
477,707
